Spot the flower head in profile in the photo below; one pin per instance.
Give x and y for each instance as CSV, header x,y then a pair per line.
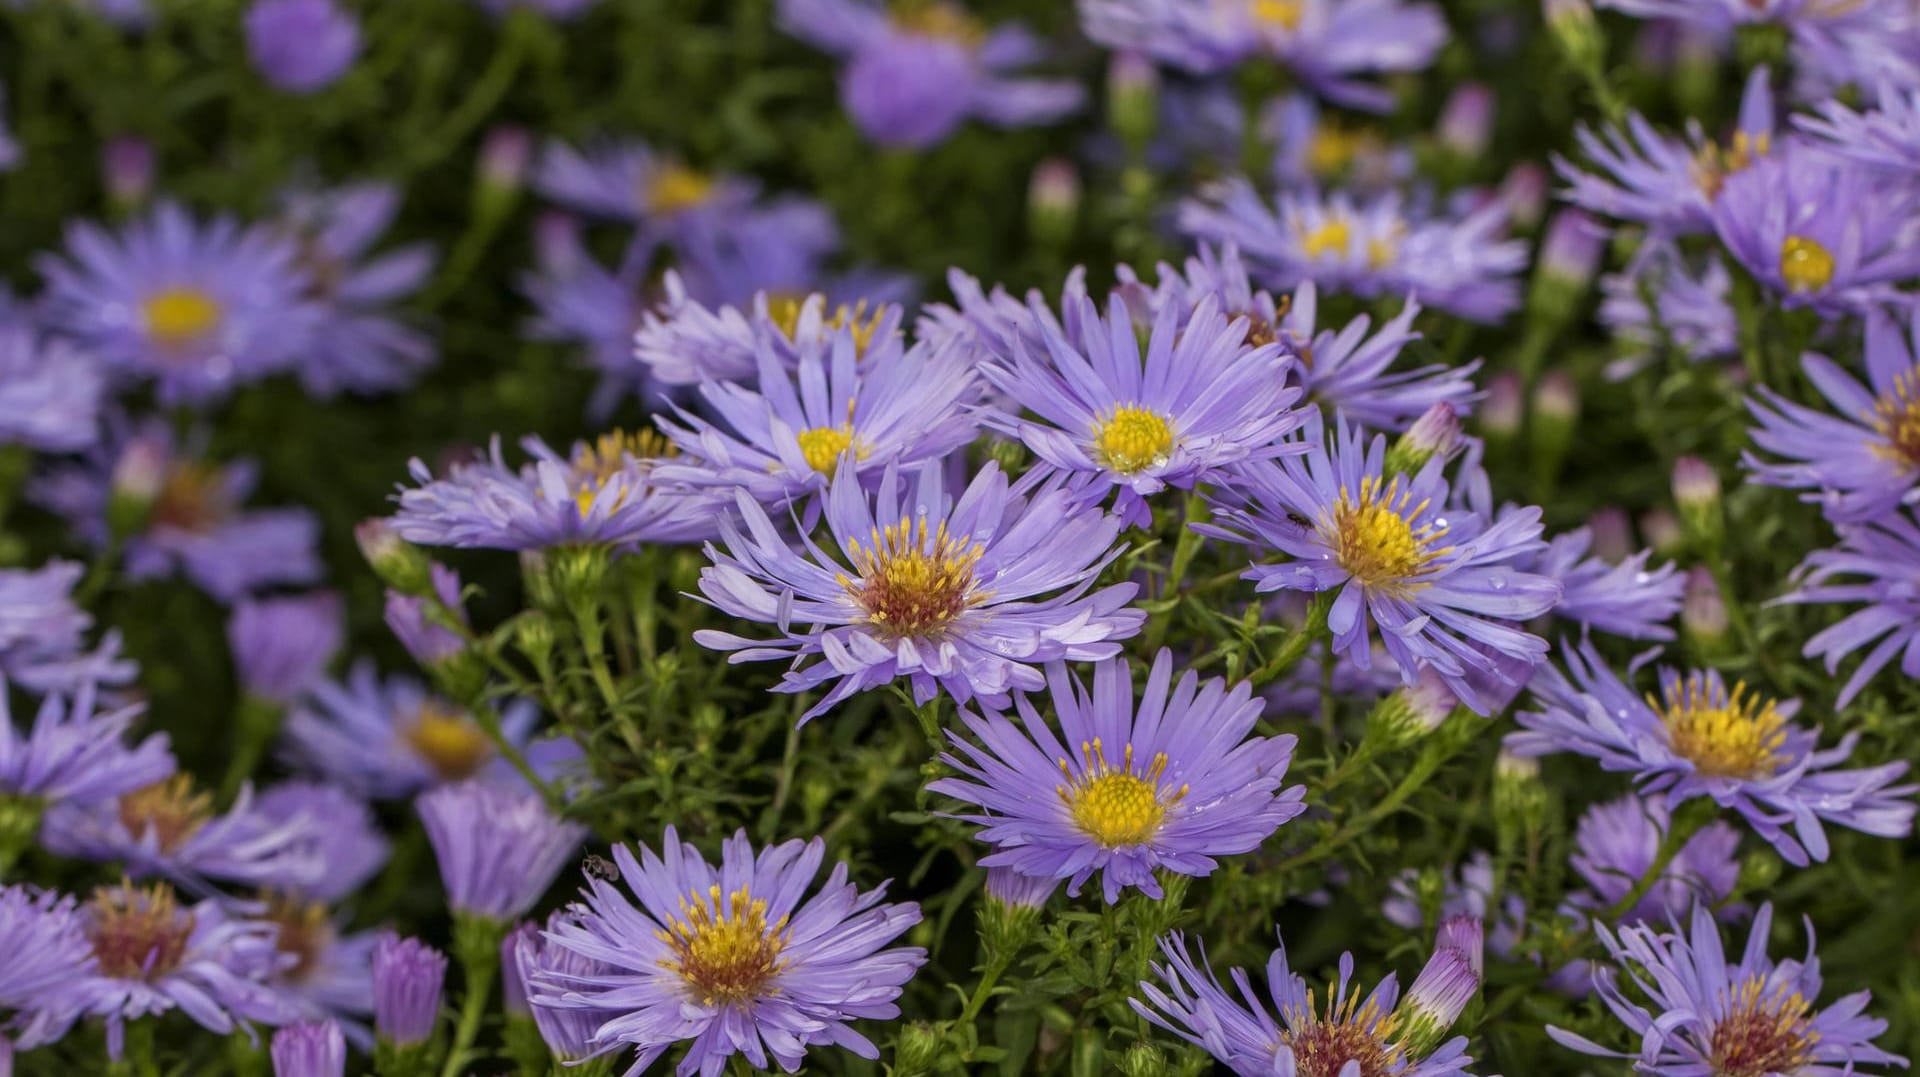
x,y
50,391
43,645
1616,842
535,958
913,74
738,959
630,181
966,594
388,738
1438,584
685,341
77,752
602,493
407,978
360,344
325,971
153,954
1819,232
347,840
1333,46
48,955
1876,567
281,646
197,307
301,46
846,395
309,1049
1703,1013
1626,599
1861,457
1110,413
498,846
1668,183
1380,245
171,828
1172,783
417,620
1336,1036
191,513
1696,737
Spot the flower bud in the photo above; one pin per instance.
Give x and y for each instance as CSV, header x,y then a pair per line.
x,y
1612,534
127,165
1142,1060
1524,193
1466,121
1133,98
504,156
1435,433
1411,711
1012,908
309,1049
139,477
420,627
557,247
918,1051
1570,253
1662,531
1466,934
1502,412
407,977
1759,871
1703,611
1520,798
398,563
1577,33
1436,1000
1696,491
1053,202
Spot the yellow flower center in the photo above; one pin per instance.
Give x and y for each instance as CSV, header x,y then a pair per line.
x,y
675,188
1285,14
138,934
724,950
193,497
785,312
1333,148
1331,238
305,931
1896,415
1133,440
1713,164
169,809
913,582
1323,1047
610,454
823,445
1766,1030
1117,806
1734,735
1374,539
179,317
1805,265
1380,253
448,741
945,22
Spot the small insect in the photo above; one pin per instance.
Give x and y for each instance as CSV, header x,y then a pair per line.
x,y
599,867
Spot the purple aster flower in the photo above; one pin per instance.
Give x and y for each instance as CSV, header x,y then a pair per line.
x,y
1626,599
407,977
1697,738
603,493
1862,459
559,10
1616,842
78,755
1819,231
349,843
1440,582
423,635
498,846
301,46
1887,137
1378,246
868,400
1466,892
686,342
326,972
194,520
50,392
1670,184
1704,1014
1330,45
281,646
1314,145
310,1049
914,74
170,828
1877,567
567,1029
359,345
389,739
152,955
197,307
966,594
1017,891
1350,1034
48,954
737,960
579,301
1199,397
1120,791
1660,300
43,632
630,181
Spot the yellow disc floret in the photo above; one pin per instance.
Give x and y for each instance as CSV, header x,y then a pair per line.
x,y
1726,734
675,188
914,582
723,947
1373,536
1805,265
1133,439
823,445
1285,14
1896,415
1117,806
449,741
171,810
1766,1030
178,317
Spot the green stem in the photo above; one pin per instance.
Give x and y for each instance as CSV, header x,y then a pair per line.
x,y
1296,645
989,975
484,93
1685,824
258,721
488,718
477,942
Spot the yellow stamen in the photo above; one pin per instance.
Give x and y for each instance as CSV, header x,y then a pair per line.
x,y
723,948
138,934
1374,538
1724,734
1896,415
1333,148
178,317
1349,1032
785,312
1285,14
945,22
1805,265
913,583
675,188
1117,806
305,931
823,445
1331,238
596,465
448,740
193,497
170,809
1766,1030
1132,440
